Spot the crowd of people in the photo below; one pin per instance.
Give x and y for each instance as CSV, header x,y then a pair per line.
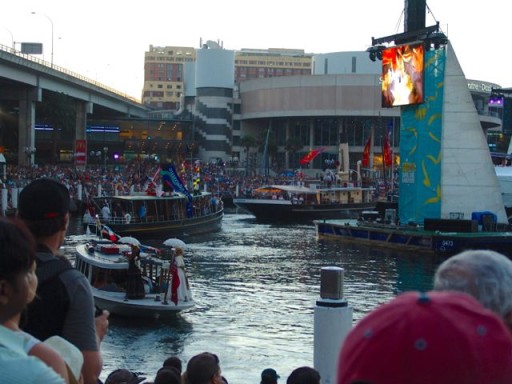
x,y
460,332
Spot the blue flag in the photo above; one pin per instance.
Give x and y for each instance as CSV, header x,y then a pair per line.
x,y
170,177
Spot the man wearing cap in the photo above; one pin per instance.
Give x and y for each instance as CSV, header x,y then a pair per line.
x,y
269,376
435,337
64,305
123,376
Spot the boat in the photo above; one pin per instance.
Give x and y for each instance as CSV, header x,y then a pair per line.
x,y
450,198
157,212
134,280
299,202
170,214
436,237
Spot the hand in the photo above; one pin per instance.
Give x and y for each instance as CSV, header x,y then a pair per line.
x,y
102,325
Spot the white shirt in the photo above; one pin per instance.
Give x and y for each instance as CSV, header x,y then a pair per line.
x,y
16,367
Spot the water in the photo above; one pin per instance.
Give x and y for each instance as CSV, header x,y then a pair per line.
x,y
255,287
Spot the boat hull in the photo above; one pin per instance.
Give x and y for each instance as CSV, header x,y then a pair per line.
x,y
149,307
174,228
285,210
413,239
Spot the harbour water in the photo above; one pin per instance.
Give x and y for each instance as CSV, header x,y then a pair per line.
x,y
255,287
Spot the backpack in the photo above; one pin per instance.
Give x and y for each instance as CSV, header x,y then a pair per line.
x,y
46,314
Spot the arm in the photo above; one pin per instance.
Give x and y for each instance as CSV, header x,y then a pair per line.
x,y
80,325
51,358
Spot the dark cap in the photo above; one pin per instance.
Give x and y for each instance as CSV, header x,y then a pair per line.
x,y
123,376
202,367
43,199
269,375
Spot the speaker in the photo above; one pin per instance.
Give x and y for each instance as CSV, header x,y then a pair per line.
x,y
331,283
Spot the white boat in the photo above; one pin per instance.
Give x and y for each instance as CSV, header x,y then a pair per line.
x,y
160,276
504,175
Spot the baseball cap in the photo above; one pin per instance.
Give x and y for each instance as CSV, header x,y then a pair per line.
x,y
269,374
71,355
43,199
435,337
202,367
123,376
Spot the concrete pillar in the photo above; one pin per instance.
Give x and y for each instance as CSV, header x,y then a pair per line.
x,y
5,193
14,197
27,118
82,109
332,322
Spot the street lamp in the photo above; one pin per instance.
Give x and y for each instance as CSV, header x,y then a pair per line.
x,y
51,22
105,150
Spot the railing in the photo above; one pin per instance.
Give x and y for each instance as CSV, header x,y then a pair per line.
x,y
23,58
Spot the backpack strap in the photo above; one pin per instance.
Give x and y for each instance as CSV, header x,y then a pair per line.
x,y
47,270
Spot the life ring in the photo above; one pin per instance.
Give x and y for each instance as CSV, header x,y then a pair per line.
x,y
127,218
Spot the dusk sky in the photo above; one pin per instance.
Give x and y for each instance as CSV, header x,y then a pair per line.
x,y
106,40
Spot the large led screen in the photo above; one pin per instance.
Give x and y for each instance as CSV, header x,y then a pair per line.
x,y
402,75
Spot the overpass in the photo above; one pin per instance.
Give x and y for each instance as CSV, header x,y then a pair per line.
x,y
25,79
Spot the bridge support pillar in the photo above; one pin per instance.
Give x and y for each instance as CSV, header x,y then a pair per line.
x,y
27,118
82,109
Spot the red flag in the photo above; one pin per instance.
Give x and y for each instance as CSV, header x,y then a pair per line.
x,y
366,153
387,153
311,155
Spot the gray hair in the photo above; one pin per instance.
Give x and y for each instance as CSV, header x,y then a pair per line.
x,y
485,275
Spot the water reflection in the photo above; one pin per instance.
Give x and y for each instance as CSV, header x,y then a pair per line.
x,y
255,287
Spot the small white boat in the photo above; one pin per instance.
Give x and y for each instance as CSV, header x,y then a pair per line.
x,y
155,285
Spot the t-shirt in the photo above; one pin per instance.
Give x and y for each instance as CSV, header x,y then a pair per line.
x,y
16,367
78,326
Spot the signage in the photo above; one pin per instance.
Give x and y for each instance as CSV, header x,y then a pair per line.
x,y
80,152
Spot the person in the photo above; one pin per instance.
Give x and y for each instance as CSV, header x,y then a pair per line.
x,y
434,337
485,275
269,376
123,376
105,212
304,375
167,375
173,362
184,293
134,281
203,368
64,304
18,283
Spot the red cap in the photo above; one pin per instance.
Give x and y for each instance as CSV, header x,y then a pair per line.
x,y
425,338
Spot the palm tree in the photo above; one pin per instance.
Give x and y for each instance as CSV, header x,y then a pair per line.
x,y
248,142
293,145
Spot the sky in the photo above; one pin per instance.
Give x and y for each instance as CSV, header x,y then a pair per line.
x,y
106,40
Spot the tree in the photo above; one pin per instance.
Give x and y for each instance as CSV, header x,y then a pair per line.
x,y
293,145
248,142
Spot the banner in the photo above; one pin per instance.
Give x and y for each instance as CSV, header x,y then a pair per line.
x,y
171,178
80,152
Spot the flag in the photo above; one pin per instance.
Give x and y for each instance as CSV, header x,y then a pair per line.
x,y
171,178
366,153
311,155
108,233
387,153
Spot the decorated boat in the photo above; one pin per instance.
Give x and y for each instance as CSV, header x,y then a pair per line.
x,y
158,212
298,202
131,279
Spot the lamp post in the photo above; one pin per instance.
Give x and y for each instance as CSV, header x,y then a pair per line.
x,y
51,22
105,151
